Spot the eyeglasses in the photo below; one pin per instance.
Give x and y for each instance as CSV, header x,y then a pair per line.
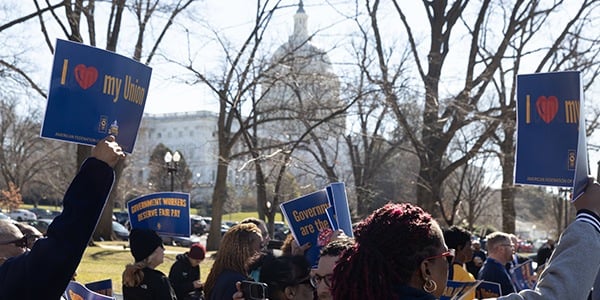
x,y
449,255
315,280
508,245
26,241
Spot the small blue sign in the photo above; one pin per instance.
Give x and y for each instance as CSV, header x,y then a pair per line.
x,y
488,289
341,210
167,213
77,291
94,93
309,221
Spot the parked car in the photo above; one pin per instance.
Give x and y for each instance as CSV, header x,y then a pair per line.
x,y
22,215
5,217
121,216
120,231
280,231
230,223
41,213
180,240
40,224
198,225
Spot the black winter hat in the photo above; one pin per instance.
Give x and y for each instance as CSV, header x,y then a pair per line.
x,y
143,242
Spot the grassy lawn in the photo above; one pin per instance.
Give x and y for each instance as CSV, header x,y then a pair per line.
x,y
100,263
109,261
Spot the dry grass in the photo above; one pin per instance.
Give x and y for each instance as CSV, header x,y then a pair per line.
x,y
108,262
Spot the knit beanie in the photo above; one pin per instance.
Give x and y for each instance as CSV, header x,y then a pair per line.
x,y
143,242
197,251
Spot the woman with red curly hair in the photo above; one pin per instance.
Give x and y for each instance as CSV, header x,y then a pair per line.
x,y
399,253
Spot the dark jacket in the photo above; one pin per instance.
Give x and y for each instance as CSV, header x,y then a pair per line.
x,y
225,285
54,259
405,292
154,286
182,275
494,271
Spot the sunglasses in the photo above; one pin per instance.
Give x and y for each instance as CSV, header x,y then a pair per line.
x,y
449,255
25,242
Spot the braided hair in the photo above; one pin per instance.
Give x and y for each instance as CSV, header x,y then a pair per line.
x,y
390,245
234,253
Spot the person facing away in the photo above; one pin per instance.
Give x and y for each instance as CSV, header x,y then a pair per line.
x,y
55,258
239,245
500,250
287,278
323,274
459,239
399,253
543,254
185,273
517,260
141,281
479,256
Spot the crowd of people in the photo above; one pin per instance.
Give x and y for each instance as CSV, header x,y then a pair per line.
x,y
397,252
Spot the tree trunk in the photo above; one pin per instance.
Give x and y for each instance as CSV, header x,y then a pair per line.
x,y
218,200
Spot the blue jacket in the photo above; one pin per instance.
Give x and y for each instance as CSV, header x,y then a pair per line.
x,y
225,285
45,271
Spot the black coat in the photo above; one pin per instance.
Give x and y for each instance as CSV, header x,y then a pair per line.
x,y
182,275
53,260
154,286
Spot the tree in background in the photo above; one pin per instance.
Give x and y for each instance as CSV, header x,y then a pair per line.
x,y
159,178
79,24
11,197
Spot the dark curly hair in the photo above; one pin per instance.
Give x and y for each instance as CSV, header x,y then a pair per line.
x,y
389,246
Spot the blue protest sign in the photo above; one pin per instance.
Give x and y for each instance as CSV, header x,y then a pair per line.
x,y
309,222
488,289
339,201
77,291
93,93
522,275
549,122
166,213
103,287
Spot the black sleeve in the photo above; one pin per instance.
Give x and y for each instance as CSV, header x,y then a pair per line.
x,y
56,257
180,284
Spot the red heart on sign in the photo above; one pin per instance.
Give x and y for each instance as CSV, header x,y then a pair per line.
x,y
547,108
85,76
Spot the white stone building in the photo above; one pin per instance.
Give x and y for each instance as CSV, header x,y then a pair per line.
x,y
299,84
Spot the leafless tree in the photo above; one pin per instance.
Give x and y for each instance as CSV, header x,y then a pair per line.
x,y
80,16
572,48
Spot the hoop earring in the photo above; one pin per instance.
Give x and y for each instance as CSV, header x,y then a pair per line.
x,y
430,286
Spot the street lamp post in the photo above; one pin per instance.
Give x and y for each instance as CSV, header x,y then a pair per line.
x,y
171,161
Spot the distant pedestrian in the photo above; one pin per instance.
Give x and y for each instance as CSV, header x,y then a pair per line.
x,y
543,254
141,280
479,256
185,274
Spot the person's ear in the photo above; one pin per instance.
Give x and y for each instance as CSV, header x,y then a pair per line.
x,y
289,292
424,268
